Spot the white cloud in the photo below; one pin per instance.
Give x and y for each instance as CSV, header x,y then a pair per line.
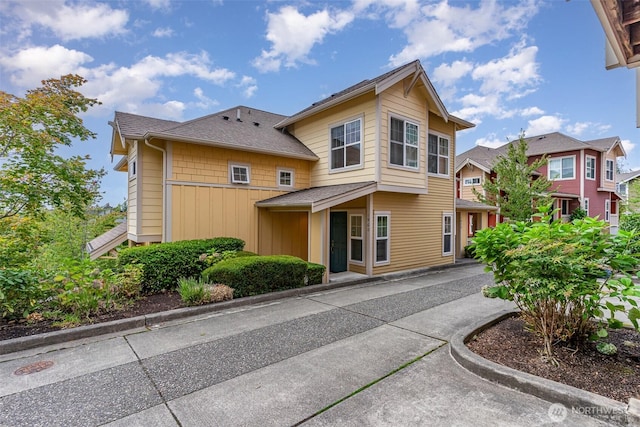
x,y
163,32
204,102
32,65
72,21
627,145
441,27
159,4
248,85
515,72
449,74
544,124
293,36
578,128
491,141
172,110
531,111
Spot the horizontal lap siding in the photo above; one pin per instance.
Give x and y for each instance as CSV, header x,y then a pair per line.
x,y
200,212
132,199
151,191
466,191
314,133
412,108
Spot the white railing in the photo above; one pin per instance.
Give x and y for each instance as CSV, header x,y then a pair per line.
x,y
613,220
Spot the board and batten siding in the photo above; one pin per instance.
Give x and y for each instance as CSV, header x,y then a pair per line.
x,y
314,132
150,168
283,233
132,194
413,108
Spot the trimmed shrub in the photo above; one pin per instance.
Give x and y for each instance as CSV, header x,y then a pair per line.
x,y
255,275
164,263
315,272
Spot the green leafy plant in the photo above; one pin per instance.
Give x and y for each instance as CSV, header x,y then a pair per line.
x,y
561,276
20,293
577,213
197,292
315,273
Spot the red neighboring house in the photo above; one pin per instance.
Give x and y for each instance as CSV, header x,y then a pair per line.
x,y
582,173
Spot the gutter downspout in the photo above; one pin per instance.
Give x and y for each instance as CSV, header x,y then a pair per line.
x,y
164,185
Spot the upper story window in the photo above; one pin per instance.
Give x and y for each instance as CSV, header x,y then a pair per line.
x,y
239,174
562,168
438,155
346,145
621,188
590,167
609,170
285,178
472,181
403,139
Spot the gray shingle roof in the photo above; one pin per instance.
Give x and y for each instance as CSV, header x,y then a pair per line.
x,y
315,195
627,176
107,241
468,205
253,131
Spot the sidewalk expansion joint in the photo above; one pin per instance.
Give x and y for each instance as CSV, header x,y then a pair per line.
x,y
372,383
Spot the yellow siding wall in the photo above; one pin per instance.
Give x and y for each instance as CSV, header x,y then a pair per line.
x,y
210,165
283,233
132,196
150,167
415,230
318,230
412,108
314,133
200,212
466,191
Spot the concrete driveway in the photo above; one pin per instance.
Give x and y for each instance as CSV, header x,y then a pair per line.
x,y
368,354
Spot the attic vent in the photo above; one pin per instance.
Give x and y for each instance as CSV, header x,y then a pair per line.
x,y
256,124
542,137
238,119
225,117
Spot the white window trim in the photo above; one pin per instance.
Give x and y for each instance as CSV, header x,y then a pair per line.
x,y
448,138
132,167
573,158
330,157
293,176
361,238
447,215
239,165
415,168
471,183
388,238
613,170
586,162
607,210
585,205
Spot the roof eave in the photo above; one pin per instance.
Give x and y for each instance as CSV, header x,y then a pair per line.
x,y
469,161
160,135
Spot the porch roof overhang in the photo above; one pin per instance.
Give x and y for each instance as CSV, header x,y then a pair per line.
x,y
469,205
319,198
107,241
559,195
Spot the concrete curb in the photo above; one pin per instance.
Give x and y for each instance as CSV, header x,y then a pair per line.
x,y
572,398
80,332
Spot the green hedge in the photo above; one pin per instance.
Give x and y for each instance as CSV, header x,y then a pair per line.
x,y
315,273
164,263
255,275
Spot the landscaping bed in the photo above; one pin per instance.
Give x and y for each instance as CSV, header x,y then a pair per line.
x,y
616,377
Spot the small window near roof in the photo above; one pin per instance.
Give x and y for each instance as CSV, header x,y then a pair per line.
x,y
133,169
239,174
285,178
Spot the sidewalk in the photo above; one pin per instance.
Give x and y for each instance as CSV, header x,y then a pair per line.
x,y
369,354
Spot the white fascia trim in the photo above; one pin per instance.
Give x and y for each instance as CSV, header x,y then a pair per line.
x,y
468,161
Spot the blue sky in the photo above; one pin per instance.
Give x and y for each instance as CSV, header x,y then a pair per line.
x,y
505,66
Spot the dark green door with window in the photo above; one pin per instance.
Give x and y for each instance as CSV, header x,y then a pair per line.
x,y
338,243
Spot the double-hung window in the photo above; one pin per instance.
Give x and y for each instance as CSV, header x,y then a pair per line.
x,y
562,168
609,170
472,181
403,138
357,247
607,210
438,155
447,234
382,238
590,167
346,145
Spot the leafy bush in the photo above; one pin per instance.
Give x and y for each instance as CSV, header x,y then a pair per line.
x,y
164,263
215,257
129,281
198,292
561,276
255,275
578,213
630,222
315,273
469,251
20,293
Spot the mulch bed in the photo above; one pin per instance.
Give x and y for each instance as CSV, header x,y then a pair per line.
x,y
616,377
146,305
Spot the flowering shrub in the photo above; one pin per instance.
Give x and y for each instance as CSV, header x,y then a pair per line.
x,y
561,275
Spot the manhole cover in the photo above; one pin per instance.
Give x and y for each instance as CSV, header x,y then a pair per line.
x,y
34,367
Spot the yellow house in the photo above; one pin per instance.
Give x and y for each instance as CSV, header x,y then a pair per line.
x,y
362,181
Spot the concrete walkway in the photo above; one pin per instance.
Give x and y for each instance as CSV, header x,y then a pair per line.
x,y
370,354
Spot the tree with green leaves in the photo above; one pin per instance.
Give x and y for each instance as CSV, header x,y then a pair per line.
x,y
33,176
516,189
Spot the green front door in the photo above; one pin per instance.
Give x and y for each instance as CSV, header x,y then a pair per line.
x,y
338,235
